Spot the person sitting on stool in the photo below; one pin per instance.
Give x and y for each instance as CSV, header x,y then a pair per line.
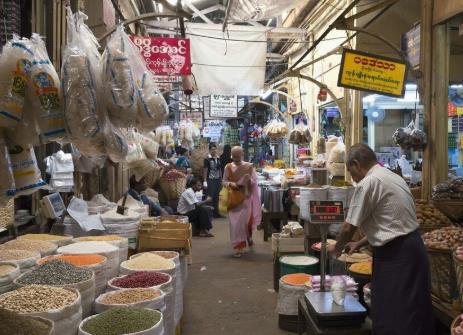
x,y
197,211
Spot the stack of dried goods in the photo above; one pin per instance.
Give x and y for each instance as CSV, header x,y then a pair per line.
x,y
276,129
429,216
446,238
451,189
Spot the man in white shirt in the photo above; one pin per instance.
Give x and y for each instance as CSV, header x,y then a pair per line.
x,y
383,208
197,212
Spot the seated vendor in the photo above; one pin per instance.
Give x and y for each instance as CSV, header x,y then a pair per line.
x,y
136,191
197,211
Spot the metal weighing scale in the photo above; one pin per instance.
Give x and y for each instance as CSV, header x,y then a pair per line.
x,y
320,304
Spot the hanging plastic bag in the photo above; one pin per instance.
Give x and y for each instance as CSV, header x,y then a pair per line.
x,y
45,92
150,147
116,145
27,132
15,69
135,152
27,177
120,89
300,135
7,186
338,153
81,85
152,107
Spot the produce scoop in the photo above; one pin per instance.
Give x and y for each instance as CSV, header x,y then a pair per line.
x,y
320,304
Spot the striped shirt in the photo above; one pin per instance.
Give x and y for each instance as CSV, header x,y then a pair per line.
x,y
382,207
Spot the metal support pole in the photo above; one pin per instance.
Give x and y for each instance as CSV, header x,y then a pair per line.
x,y
323,253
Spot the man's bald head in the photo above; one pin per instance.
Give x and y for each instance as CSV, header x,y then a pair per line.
x,y
237,154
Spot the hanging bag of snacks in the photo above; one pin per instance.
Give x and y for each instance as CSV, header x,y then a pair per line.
x,y
276,129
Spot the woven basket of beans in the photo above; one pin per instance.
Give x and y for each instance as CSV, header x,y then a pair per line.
x,y
443,277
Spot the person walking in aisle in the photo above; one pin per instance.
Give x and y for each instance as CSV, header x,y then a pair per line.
x,y
225,157
244,207
383,208
213,177
197,211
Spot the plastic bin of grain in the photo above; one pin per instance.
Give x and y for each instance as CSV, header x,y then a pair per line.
x,y
43,247
122,225
57,239
93,262
178,284
152,298
12,322
119,241
60,305
151,279
124,321
9,271
58,273
25,259
110,251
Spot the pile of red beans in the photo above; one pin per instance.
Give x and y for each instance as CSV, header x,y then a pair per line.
x,y
141,279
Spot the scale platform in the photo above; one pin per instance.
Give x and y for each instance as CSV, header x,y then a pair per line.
x,y
328,314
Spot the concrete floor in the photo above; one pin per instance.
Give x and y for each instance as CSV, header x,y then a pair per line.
x,y
230,296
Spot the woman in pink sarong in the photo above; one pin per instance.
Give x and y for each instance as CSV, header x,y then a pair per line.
x,y
244,207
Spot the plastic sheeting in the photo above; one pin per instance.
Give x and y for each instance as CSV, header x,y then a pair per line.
x,y
229,66
256,10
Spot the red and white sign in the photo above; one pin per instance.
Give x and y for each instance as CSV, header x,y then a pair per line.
x,y
165,56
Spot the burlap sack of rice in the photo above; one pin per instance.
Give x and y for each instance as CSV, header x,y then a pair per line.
x,y
7,214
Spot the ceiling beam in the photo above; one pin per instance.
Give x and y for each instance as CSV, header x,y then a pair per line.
x,y
198,12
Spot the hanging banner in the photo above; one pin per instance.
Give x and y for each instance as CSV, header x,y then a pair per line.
x,y
367,72
165,56
411,42
195,117
223,106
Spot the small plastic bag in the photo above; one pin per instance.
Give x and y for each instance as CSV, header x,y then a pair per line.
x,y
46,95
120,89
81,85
27,177
116,145
15,69
135,152
150,147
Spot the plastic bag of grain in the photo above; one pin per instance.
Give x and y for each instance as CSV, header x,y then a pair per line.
x,y
43,247
151,279
290,293
152,298
116,145
110,251
60,305
9,271
81,86
46,95
124,321
119,241
15,67
26,172
93,262
58,273
120,88
57,239
25,259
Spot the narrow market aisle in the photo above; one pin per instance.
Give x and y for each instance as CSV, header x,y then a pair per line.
x,y
230,296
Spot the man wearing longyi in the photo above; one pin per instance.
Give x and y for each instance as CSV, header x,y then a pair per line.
x,y
383,208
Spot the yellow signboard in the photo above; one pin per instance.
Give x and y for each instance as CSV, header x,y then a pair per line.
x,y
372,73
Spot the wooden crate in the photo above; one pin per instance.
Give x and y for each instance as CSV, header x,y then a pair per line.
x,y
287,244
154,235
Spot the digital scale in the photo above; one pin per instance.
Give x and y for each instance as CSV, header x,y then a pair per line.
x,y
320,304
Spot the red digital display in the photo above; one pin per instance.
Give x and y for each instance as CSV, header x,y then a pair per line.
x,y
327,209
